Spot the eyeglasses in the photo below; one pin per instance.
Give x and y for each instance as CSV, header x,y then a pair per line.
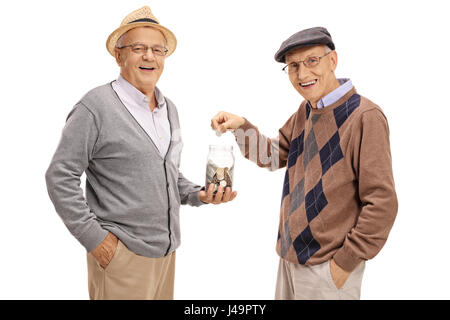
x,y
140,48
309,62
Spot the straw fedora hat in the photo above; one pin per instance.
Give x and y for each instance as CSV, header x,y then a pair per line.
x,y
141,18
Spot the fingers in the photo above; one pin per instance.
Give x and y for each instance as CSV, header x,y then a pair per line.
x,y
222,195
103,255
219,195
225,126
104,261
227,195
210,193
223,121
218,119
214,123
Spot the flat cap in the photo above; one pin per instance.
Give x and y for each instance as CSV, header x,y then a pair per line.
x,y
304,38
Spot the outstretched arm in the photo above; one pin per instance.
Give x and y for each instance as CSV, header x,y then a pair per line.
x,y
265,152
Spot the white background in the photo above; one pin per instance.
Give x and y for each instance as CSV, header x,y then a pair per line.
x,y
395,52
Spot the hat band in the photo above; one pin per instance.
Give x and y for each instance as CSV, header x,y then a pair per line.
x,y
144,20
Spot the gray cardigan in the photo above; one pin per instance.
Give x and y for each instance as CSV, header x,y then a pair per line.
x,y
131,190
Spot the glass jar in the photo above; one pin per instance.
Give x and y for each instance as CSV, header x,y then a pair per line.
x,y
220,166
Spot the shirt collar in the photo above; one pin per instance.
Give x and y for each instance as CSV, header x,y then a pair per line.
x,y
137,96
345,86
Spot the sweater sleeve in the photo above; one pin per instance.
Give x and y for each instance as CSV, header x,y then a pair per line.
x,y
265,152
188,191
373,166
70,160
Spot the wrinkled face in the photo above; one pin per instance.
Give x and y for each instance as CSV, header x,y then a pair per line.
x,y
142,70
316,82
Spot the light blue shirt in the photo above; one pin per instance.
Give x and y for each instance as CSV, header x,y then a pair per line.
x,y
156,122
345,86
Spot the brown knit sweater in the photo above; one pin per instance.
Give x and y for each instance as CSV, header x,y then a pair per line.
x,y
338,196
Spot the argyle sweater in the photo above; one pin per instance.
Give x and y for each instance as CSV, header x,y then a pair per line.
x,y
338,199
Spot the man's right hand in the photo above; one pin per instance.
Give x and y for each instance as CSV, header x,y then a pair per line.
x,y
224,121
105,251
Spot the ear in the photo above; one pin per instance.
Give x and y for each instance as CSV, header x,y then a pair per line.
x,y
333,59
118,56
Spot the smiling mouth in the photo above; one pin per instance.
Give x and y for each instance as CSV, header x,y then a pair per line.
x,y
147,68
308,84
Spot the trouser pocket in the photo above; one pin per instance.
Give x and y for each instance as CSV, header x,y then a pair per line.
x,y
113,260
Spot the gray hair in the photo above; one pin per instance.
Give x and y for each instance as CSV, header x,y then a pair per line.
x,y
120,40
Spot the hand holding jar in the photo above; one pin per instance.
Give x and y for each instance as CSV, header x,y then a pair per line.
x,y
219,175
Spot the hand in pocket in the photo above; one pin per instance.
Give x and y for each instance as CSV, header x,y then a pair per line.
x,y
105,251
338,275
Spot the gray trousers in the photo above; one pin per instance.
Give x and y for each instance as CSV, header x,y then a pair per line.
x,y
299,282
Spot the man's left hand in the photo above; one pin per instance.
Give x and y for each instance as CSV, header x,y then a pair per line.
x,y
221,196
338,274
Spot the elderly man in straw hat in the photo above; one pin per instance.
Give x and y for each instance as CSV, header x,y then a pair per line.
x,y
125,135
338,202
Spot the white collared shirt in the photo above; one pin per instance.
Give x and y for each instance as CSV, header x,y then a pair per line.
x,y
345,86
155,123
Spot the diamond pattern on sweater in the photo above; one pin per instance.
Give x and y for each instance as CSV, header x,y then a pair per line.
x,y
297,196
311,148
286,240
295,149
315,118
331,153
305,245
285,185
308,110
307,201
315,201
342,112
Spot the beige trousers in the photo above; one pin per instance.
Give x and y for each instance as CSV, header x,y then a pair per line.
x,y
299,282
131,277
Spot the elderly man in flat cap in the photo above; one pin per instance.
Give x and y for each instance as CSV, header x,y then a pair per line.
x,y
338,201
125,135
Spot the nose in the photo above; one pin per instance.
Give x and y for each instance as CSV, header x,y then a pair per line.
x,y
302,71
149,55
